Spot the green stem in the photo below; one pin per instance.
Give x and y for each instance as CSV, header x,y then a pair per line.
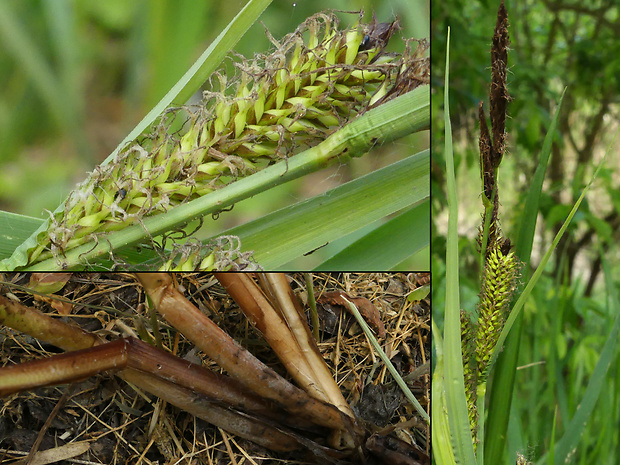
x,y
155,327
481,393
314,316
488,214
388,363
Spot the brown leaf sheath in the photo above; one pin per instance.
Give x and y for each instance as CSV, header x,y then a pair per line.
x,y
231,356
31,321
286,332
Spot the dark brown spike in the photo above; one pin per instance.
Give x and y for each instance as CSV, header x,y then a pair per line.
x,y
498,94
487,167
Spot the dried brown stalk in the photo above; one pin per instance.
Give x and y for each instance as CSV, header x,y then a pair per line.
x,y
123,354
284,326
30,321
274,438
67,368
214,407
236,360
259,311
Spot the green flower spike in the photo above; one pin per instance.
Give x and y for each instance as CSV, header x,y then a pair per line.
x,y
315,81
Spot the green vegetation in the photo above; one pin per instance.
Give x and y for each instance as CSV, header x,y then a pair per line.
x,y
114,200
551,397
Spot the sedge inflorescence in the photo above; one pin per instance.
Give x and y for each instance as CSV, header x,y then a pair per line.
x,y
316,80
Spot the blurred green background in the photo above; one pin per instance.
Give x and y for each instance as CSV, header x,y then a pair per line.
x,y
567,319
79,75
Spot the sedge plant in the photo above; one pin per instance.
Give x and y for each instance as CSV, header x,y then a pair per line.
x,y
472,340
315,82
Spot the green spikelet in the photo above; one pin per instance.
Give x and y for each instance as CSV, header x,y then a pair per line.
x,y
222,253
521,460
499,282
317,79
470,368
479,337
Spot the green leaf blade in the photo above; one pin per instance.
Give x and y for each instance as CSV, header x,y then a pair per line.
x,y
456,404
500,397
385,246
